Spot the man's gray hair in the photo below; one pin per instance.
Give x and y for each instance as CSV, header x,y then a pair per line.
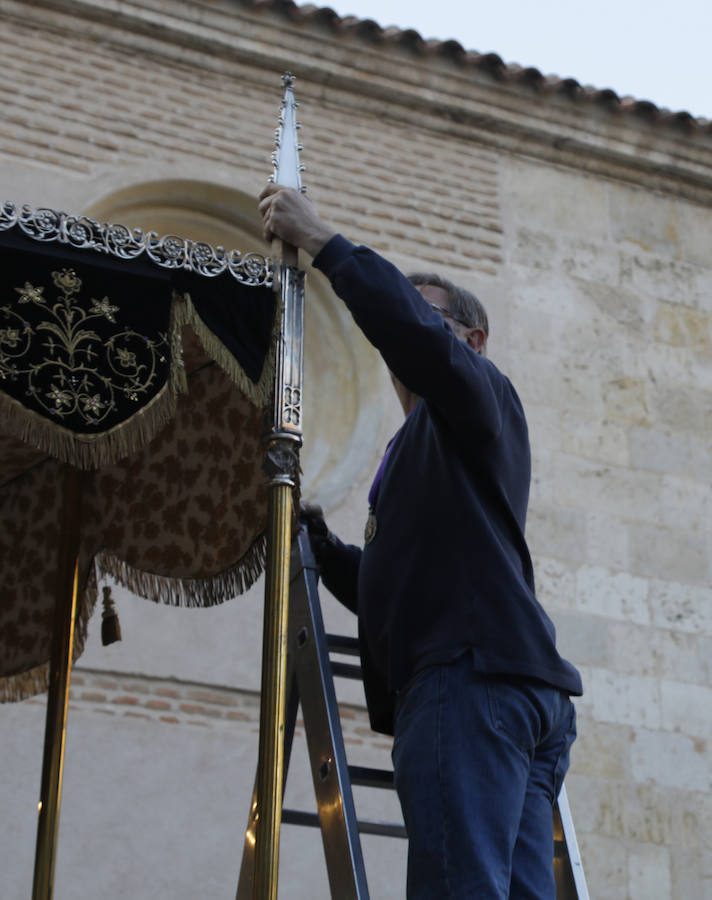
x,y
462,304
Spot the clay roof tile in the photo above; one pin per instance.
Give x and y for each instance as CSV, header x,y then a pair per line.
x,y
492,64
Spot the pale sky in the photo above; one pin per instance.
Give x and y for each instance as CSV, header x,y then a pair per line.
x,y
658,50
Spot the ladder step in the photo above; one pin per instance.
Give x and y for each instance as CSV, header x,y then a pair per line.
x,y
347,670
298,817
384,829
367,777
340,643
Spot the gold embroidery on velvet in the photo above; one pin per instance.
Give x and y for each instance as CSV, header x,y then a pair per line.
x,y
84,374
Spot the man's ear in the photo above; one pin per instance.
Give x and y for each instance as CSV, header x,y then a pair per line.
x,y
476,338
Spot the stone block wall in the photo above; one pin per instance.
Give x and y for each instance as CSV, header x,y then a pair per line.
x,y
611,315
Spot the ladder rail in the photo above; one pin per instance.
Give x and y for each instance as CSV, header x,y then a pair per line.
x,y
575,863
322,726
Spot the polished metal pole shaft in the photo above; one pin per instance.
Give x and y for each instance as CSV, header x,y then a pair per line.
x,y
270,777
58,694
282,467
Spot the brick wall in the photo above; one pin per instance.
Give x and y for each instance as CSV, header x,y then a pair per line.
x,y
107,116
176,702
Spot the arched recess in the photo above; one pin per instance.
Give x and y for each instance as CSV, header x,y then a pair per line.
x,y
344,380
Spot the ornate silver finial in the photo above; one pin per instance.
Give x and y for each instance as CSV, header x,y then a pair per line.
x,y
285,159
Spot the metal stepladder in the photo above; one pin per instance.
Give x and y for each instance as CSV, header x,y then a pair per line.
x,y
310,682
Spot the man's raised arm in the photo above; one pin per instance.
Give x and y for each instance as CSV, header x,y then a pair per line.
x,y
417,346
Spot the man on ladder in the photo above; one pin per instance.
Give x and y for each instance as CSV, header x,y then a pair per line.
x,y
459,658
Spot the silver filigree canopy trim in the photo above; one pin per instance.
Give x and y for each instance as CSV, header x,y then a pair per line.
x,y
169,251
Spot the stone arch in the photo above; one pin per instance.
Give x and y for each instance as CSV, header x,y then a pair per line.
x,y
344,379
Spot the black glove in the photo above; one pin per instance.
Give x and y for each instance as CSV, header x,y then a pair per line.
x,y
319,535
337,563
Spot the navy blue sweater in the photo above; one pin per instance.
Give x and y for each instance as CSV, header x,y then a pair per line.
x,y
448,570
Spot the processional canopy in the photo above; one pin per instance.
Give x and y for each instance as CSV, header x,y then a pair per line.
x,y
148,362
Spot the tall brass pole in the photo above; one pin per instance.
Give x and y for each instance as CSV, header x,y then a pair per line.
x,y
282,468
270,773
58,694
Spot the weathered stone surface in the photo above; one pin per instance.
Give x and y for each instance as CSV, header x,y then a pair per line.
x,y
545,430
690,873
606,864
681,606
555,583
556,532
582,640
683,407
600,439
622,492
649,873
627,401
703,819
661,279
568,382
670,364
616,307
666,553
639,219
686,708
560,203
662,450
643,813
613,595
671,760
534,249
705,658
632,700
583,261
685,504
683,326
607,541
656,652
601,750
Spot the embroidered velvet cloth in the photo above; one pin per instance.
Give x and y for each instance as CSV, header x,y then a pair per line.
x,y
153,381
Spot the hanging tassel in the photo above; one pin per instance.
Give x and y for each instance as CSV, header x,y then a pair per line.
x,y
110,625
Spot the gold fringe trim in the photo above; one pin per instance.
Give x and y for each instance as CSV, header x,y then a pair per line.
x,y
260,394
188,592
23,685
96,450
88,451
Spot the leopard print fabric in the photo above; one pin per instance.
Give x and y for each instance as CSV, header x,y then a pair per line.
x,y
29,541
190,504
181,521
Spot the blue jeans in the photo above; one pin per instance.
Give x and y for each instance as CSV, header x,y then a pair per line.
x,y
479,761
